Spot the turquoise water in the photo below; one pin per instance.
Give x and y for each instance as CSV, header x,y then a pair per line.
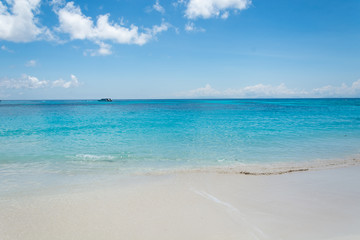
x,y
44,142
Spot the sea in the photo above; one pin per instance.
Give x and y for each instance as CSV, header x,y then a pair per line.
x,y
56,143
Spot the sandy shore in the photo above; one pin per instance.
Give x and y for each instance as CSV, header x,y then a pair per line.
x,y
321,204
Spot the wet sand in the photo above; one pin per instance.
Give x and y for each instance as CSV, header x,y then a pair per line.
x,y
315,204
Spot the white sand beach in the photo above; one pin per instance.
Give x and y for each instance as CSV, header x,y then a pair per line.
x,y
318,204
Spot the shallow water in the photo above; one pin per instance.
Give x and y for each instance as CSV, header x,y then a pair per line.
x,y
56,142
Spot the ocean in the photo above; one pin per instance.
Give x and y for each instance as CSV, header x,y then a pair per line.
x,y
55,143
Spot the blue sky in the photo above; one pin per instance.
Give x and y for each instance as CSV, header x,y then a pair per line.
x,y
179,49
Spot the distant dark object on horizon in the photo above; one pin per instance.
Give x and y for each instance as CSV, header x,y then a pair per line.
x,y
105,100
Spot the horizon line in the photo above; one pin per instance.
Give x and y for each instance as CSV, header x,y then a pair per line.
x,y
132,99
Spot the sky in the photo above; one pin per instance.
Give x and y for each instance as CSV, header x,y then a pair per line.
x,y
137,49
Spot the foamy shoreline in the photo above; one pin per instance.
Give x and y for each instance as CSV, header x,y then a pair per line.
x,y
258,169
321,204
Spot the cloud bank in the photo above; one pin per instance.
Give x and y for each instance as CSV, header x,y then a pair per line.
x,y
31,82
270,91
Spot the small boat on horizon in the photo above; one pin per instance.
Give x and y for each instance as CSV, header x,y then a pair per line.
x,y
105,100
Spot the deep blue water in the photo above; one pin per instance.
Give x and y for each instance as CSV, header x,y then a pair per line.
x,y
44,139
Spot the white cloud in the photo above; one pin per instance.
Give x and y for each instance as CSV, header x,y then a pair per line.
x,y
103,50
66,84
4,48
57,2
352,90
178,3
78,26
18,22
213,8
190,27
225,15
159,28
31,82
72,21
203,92
280,91
259,90
158,7
25,81
31,63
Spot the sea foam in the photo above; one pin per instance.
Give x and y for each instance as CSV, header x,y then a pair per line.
x,y
93,157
